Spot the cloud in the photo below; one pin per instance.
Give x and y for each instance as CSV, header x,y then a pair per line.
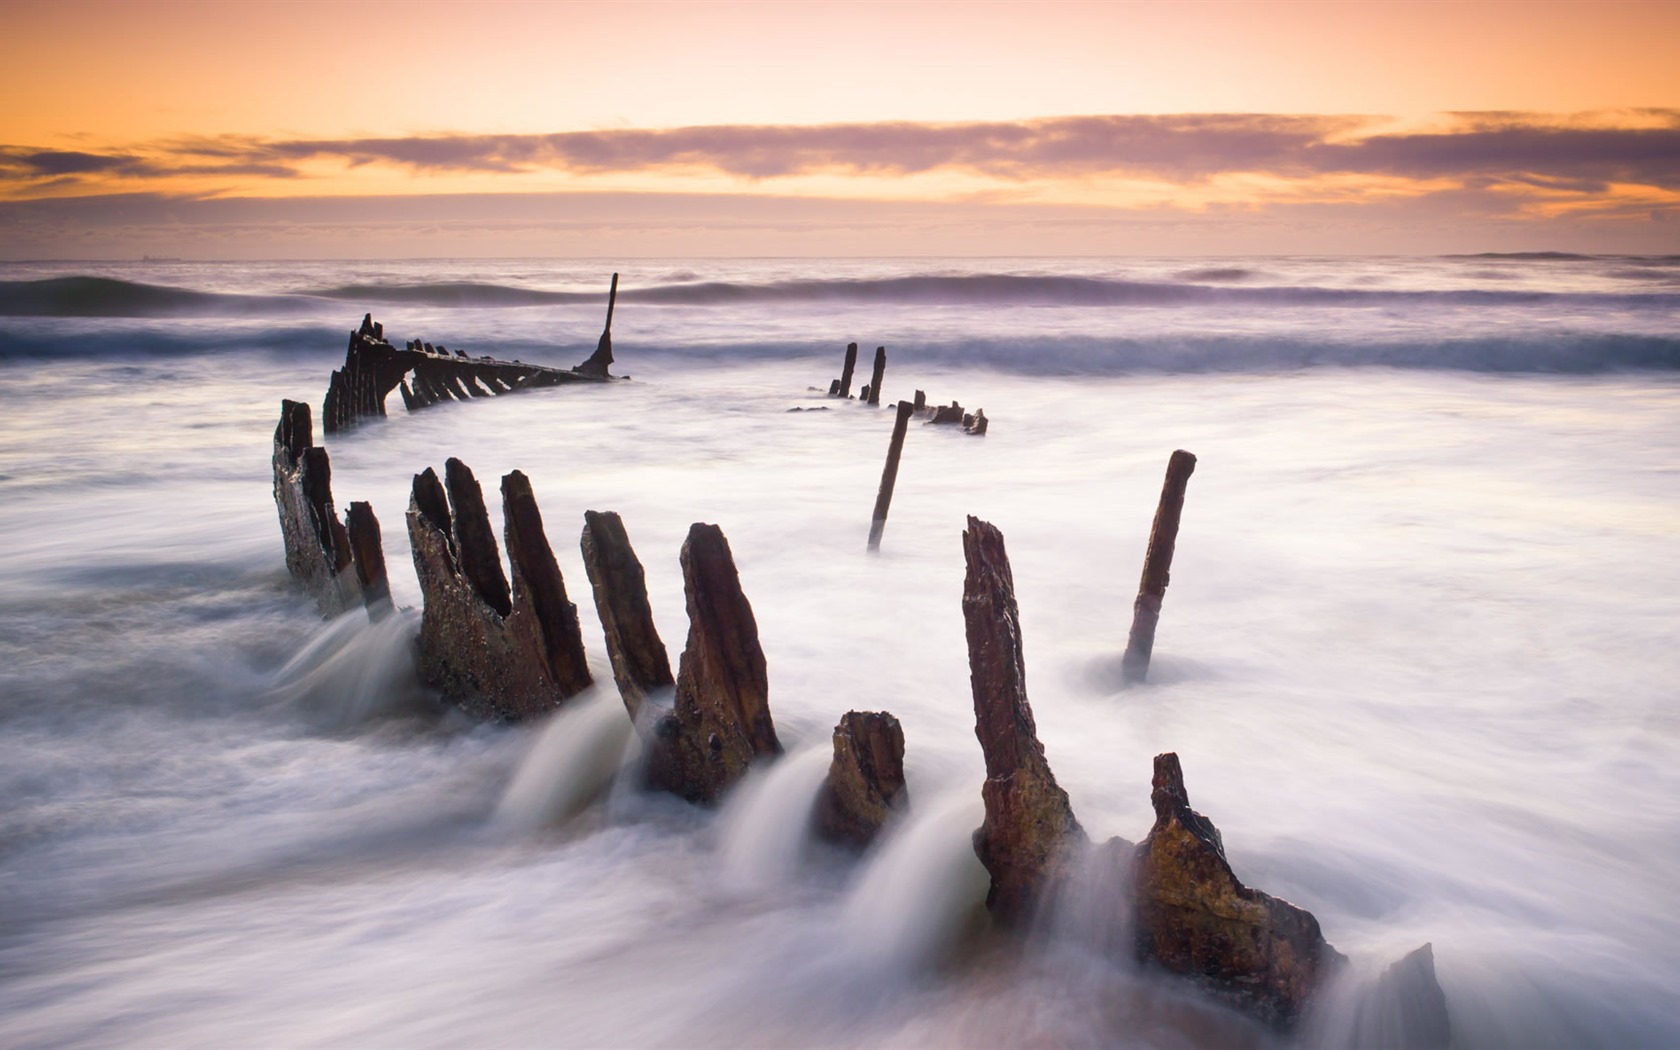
x,y
1535,153
630,225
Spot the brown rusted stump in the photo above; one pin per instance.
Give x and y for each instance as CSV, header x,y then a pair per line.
x,y
500,654
865,782
1157,564
951,413
1194,917
889,476
318,552
539,592
639,662
921,400
721,719
878,375
847,369
368,547
975,424
1029,827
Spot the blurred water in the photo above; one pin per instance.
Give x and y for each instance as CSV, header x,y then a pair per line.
x,y
1416,657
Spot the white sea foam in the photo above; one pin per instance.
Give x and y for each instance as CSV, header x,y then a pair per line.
x,y
1416,659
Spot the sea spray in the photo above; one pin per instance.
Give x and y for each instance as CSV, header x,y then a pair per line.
x,y
767,819
575,757
353,670
919,889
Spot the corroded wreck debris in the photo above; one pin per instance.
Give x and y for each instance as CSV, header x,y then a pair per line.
x,y
500,651
1188,912
1196,918
318,548
426,375
1029,828
865,783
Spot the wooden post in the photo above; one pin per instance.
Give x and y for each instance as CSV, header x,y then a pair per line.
x,y
880,373
846,371
1134,666
921,400
889,475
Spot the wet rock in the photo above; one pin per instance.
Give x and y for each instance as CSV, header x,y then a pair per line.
x,y
497,652
640,665
318,550
721,719
865,781
1194,917
1029,827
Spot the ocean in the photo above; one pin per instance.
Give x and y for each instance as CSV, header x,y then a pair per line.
x,y
1417,656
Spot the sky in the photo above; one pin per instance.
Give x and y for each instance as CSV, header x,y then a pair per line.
x,y
400,129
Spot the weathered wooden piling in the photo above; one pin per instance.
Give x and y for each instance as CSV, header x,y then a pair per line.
x,y
368,547
889,475
847,369
538,588
318,551
1193,916
475,540
1029,827
921,401
1157,565
639,662
865,782
499,652
720,719
878,375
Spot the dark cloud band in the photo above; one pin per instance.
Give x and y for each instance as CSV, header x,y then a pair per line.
x,y
1534,150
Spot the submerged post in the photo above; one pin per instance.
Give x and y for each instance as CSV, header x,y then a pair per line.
x,y
846,371
879,374
889,475
1157,563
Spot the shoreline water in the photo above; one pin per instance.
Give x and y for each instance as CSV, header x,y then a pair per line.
x,y
1418,622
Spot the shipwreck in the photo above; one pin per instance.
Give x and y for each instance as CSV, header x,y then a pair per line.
x,y
426,375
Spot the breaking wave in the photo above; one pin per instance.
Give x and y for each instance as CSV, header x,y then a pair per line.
x,y
109,297
1027,290
86,296
452,293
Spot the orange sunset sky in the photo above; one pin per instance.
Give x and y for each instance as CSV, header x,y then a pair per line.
x,y
328,130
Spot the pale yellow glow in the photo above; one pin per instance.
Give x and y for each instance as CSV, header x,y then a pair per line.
x,y
101,73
